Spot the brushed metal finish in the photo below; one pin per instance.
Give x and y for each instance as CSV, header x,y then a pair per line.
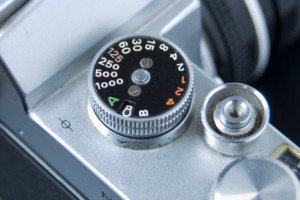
x,y
236,142
59,40
184,169
138,143
256,179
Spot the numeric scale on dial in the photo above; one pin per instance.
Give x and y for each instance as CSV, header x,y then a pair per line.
x,y
140,86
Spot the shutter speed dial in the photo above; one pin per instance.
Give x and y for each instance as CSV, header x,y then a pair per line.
x,y
140,86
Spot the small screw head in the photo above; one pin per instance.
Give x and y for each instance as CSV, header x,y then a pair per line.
x,y
134,90
146,63
234,116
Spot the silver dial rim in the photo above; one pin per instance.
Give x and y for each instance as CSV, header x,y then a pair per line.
x,y
141,127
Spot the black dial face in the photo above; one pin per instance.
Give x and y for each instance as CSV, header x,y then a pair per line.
x,y
141,77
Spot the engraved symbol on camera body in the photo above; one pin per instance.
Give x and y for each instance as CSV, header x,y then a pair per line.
x,y
66,124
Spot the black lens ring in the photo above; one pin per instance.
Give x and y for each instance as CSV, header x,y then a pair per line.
x,y
236,36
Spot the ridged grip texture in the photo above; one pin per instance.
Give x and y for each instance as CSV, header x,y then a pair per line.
x,y
143,127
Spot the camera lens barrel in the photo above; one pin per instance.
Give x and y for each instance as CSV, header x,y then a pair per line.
x,y
241,34
231,33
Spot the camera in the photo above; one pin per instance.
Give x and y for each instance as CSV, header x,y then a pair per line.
x,y
115,102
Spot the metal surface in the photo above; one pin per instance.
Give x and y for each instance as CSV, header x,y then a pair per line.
x,y
234,116
236,138
65,37
167,15
37,48
140,77
140,143
187,161
146,63
48,38
8,8
60,132
256,179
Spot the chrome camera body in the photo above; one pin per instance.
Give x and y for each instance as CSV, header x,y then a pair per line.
x,y
50,107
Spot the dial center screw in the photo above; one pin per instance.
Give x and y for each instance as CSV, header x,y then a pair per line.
x,y
140,76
